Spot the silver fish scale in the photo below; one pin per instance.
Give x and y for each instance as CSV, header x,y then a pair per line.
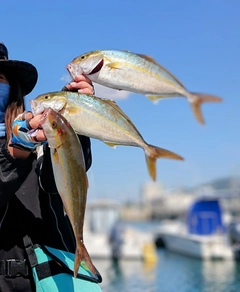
x,y
137,74
102,121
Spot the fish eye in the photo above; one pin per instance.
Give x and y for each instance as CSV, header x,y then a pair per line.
x,y
54,124
83,57
46,97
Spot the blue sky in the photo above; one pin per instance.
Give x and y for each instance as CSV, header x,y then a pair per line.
x,y
198,41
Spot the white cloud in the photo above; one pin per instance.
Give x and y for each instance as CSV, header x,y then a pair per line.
x,y
66,78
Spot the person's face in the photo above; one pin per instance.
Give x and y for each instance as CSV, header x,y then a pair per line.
x,y
3,78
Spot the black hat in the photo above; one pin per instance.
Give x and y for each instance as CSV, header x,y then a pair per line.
x,y
24,72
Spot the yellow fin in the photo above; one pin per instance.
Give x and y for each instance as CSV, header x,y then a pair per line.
x,y
55,156
82,254
150,59
155,97
110,144
155,153
197,99
73,110
116,107
115,65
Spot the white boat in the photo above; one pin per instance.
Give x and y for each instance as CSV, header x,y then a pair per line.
x,y
107,237
166,226
203,235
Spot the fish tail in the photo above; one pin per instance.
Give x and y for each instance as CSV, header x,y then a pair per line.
x,y
196,100
82,255
153,153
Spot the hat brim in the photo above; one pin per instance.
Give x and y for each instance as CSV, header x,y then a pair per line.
x,y
24,72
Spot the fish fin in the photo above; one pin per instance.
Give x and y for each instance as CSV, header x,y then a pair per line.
x,y
55,156
196,100
155,98
150,59
153,154
73,110
82,255
111,144
116,107
113,104
114,65
111,101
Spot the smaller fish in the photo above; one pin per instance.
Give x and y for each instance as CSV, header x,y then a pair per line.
x,y
71,178
101,119
137,73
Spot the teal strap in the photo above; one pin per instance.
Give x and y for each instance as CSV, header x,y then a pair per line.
x,y
53,270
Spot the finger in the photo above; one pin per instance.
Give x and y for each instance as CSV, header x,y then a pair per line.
x,y
82,78
81,84
40,136
27,115
35,121
86,91
84,87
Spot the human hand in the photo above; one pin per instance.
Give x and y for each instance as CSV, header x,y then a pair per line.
x,y
82,84
27,134
34,123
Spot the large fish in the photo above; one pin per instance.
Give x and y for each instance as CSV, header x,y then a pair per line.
x,y
101,119
138,73
70,176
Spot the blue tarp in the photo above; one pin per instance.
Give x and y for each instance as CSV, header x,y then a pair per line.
x,y
205,217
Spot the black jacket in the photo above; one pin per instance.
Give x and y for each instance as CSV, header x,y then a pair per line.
x,y
30,204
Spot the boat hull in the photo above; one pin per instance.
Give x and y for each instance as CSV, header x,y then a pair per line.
x,y
202,247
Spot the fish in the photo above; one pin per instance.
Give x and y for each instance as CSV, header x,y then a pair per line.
x,y
101,119
70,177
138,73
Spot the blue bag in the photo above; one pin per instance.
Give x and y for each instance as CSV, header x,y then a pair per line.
x,y
53,270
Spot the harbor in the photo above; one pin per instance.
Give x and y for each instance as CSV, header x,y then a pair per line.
x,y
192,247
119,146
171,273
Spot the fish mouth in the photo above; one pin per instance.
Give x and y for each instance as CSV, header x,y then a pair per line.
x,y
35,107
45,114
97,68
38,108
69,68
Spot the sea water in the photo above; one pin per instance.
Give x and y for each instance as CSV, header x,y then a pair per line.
x,y
171,273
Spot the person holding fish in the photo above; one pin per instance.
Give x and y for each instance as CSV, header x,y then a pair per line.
x,y
29,201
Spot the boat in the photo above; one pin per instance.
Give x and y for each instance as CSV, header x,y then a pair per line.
x,y
203,234
106,236
234,236
234,232
166,226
